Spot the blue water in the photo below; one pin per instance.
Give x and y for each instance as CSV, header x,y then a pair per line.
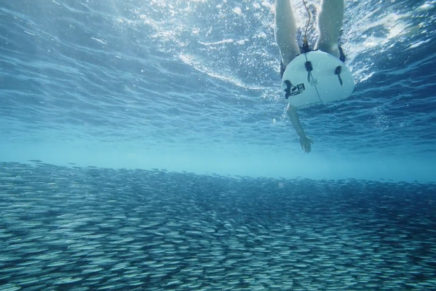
x,y
144,146
75,228
194,86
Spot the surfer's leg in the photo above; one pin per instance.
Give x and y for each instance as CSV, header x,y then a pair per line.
x,y
286,31
330,23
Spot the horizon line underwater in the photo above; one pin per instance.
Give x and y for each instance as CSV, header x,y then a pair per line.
x,y
146,145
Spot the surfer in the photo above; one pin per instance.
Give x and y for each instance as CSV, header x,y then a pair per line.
x,y
329,22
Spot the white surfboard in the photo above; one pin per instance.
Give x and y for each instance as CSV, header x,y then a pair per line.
x,y
316,78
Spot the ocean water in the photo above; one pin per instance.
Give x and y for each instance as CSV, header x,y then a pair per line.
x,y
144,146
104,229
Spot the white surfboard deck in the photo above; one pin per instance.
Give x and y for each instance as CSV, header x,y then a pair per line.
x,y
322,86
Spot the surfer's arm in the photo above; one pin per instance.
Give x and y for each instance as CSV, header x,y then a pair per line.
x,y
304,140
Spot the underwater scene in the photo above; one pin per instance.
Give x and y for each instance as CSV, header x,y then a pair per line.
x,y
146,145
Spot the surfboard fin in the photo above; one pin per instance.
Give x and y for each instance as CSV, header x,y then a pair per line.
x,y
309,69
338,71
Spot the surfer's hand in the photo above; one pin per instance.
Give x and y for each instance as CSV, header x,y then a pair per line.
x,y
305,143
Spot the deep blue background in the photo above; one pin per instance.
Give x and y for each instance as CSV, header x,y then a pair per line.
x,y
194,85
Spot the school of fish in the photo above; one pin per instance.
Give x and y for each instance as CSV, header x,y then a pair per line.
x,y
72,228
